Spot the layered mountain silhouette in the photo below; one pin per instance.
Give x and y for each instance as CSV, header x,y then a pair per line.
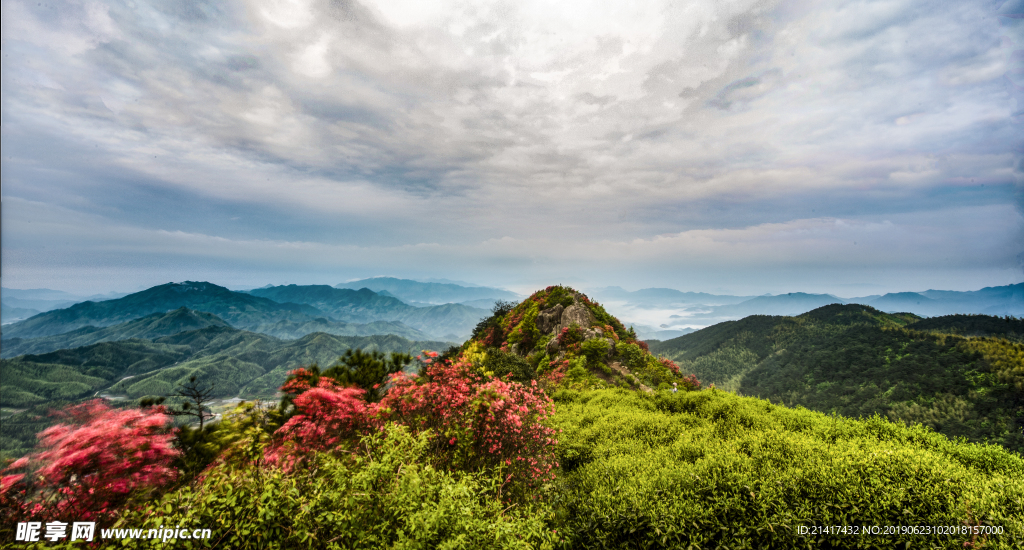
x,y
148,327
240,310
431,293
453,321
231,362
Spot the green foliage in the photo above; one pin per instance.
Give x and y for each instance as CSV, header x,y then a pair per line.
x,y
489,330
521,326
595,350
906,375
387,495
557,295
632,356
1010,328
722,367
504,364
709,469
367,370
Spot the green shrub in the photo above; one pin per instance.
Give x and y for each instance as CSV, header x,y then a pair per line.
x,y
385,496
504,364
595,350
709,469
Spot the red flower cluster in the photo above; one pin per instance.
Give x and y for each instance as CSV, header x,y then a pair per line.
x,y
93,465
643,345
491,338
327,415
478,422
558,371
690,382
570,338
670,365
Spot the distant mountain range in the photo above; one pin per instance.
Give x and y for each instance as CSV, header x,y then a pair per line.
x,y
450,321
148,328
231,362
431,293
694,309
240,310
20,304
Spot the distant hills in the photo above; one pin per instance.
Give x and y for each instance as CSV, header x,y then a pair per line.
x,y
662,297
241,310
451,321
18,304
962,375
148,327
695,309
431,293
233,362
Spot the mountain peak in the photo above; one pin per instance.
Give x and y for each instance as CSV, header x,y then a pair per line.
x,y
563,337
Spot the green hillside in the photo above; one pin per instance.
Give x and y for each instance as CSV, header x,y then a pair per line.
x,y
234,363
857,361
710,469
148,327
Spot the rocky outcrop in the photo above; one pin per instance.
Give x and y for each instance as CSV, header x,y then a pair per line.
x,y
576,313
553,347
548,319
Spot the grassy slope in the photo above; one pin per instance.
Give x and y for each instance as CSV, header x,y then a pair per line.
x,y
709,469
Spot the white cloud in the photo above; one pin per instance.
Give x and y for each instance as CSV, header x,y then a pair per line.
x,y
501,131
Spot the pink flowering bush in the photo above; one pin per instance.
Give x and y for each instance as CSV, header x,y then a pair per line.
x,y
691,383
92,466
672,366
326,415
477,423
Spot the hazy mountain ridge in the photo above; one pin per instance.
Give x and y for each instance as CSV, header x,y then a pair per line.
x,y
241,310
431,293
45,299
366,306
148,328
671,309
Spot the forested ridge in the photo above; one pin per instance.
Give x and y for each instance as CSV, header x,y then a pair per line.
x,y
961,375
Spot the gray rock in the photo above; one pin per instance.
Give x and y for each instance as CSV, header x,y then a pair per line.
x,y
548,319
553,347
576,313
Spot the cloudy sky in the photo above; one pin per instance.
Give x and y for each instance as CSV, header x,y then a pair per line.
x,y
741,146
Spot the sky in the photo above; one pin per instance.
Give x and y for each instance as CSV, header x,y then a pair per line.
x,y
734,147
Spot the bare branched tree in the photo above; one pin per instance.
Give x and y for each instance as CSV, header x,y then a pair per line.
x,y
197,399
